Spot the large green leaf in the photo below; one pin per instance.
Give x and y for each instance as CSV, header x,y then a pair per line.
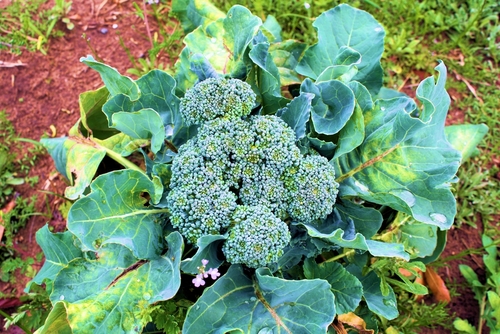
x,y
375,248
265,304
195,13
115,211
420,239
223,43
83,277
332,106
345,286
77,159
405,162
344,26
466,137
114,81
59,250
111,310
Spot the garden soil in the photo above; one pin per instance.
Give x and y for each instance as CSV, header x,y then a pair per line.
x,y
40,95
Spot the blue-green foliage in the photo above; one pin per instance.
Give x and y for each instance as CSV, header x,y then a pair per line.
x,y
244,161
217,97
257,237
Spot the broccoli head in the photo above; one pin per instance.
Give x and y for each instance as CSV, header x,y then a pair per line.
x,y
217,98
257,238
242,176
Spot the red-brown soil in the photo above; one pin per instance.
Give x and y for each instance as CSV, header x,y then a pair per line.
x,y
43,93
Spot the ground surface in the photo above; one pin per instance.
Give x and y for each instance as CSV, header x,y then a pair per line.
x,y
43,94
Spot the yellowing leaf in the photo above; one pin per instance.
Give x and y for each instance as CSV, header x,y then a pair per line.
x,y
356,322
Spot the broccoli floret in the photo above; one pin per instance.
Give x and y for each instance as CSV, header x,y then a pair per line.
x,y
312,188
257,238
217,98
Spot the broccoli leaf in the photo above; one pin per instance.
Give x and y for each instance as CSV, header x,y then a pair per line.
x,y
286,56
223,42
142,124
382,304
115,211
114,81
376,248
332,106
132,291
296,114
88,277
345,26
405,162
353,133
57,321
367,221
267,76
195,13
59,250
465,138
264,305
83,159
93,122
345,286
157,92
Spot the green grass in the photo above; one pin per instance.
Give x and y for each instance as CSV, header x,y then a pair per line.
x,y
28,25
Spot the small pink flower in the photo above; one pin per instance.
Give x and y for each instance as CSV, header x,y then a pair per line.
x,y
198,280
204,262
214,272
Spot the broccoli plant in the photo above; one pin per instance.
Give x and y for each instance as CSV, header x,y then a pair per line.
x,y
267,186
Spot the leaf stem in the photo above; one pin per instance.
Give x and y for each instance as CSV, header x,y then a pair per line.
x,y
8,317
481,314
340,256
366,164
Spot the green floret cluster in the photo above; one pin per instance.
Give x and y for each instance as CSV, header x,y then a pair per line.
x,y
217,97
244,176
257,237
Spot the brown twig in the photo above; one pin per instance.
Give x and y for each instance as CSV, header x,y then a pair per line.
x,y
10,64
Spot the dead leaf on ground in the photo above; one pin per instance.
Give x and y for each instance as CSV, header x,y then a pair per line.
x,y
437,286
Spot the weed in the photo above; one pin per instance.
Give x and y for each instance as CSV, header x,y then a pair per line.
x,y
415,315
32,313
487,293
12,222
164,42
25,25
